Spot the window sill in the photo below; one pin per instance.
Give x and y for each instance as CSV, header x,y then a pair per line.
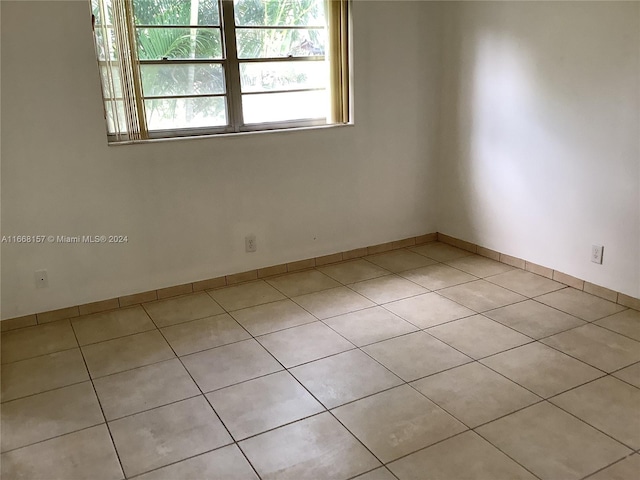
x,y
209,136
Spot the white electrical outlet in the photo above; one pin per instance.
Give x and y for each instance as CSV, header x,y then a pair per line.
x,y
596,253
42,281
250,244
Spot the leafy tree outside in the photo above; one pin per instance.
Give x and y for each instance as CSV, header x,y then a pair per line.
x,y
159,38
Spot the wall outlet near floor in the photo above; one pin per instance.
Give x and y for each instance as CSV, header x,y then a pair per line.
x,y
250,244
42,281
596,253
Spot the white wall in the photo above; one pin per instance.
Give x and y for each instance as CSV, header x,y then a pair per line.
x,y
536,153
541,134
187,205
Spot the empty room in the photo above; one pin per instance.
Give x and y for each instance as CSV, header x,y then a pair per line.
x,y
319,239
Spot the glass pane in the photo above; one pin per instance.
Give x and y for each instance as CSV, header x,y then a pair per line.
x,y
173,113
277,107
194,79
176,12
178,43
103,46
279,12
95,10
113,109
260,77
273,42
111,86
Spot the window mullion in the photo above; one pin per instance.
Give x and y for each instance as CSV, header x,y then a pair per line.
x,y
232,72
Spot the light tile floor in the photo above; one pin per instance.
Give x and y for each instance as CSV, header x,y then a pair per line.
x,y
420,363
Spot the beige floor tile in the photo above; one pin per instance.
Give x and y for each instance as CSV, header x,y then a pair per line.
x,y
182,309
344,377
246,295
387,289
233,364
400,260
415,355
330,303
301,283
481,295
85,454
597,346
630,374
369,326
378,474
556,445
108,325
475,394
441,252
541,369
479,266
436,277
428,310
226,463
608,404
303,344
534,319
405,421
353,271
478,336
34,341
579,304
263,404
39,374
465,456
272,317
167,434
198,335
626,323
311,449
525,283
144,388
47,415
625,469
125,353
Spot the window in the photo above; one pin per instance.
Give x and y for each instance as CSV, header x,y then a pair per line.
x,y
190,67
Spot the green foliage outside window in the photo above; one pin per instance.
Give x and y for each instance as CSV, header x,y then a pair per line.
x,y
206,43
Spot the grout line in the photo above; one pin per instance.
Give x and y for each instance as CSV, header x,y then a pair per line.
x,y
607,466
104,417
58,436
233,439
190,457
505,453
234,442
587,423
156,407
119,336
360,475
610,330
538,401
5,402
357,439
252,337
429,446
42,354
572,356
622,380
492,320
526,388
